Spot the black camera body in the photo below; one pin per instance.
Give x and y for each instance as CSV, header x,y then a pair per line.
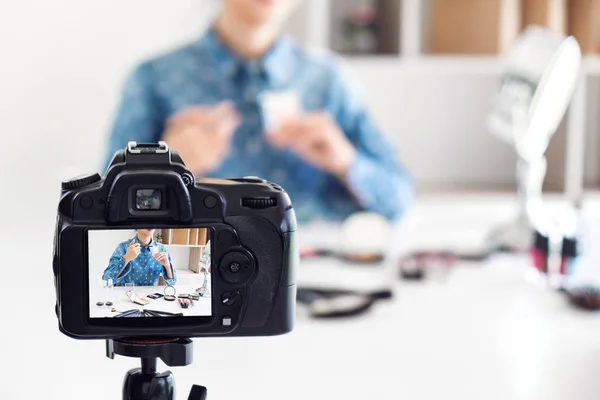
x,y
253,248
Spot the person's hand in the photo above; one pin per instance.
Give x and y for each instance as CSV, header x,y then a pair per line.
x,y
162,258
133,250
202,135
318,140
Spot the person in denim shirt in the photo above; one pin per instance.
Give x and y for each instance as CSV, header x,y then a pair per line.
x,y
203,99
141,261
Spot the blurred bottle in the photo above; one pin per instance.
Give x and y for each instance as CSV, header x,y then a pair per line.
x,y
540,258
556,252
110,291
360,28
569,256
571,251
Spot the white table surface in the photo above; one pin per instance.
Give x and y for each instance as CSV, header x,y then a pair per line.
x,y
121,302
483,334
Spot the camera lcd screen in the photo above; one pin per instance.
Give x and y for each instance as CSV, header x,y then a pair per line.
x,y
148,199
149,273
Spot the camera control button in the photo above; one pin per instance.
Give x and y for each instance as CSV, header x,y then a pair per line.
x,y
226,321
226,238
236,267
86,202
188,179
210,201
81,181
230,298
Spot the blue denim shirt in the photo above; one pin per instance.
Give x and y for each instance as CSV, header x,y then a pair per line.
x,y
143,271
205,72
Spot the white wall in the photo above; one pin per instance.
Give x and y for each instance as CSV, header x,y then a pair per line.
x,y
437,121
592,154
180,257
62,63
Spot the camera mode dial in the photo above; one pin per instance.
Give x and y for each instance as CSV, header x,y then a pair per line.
x,y
259,203
237,267
188,179
81,181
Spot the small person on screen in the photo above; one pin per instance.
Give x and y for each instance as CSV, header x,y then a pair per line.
x,y
244,99
141,261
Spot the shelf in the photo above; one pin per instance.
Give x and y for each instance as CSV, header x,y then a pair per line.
x,y
591,65
184,245
451,64
364,26
459,64
471,65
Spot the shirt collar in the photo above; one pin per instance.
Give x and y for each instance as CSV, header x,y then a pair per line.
x,y
152,242
277,64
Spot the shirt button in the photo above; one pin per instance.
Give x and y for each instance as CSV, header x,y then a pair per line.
x,y
251,94
253,146
253,119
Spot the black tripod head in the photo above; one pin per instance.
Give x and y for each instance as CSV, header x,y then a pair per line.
x,y
146,383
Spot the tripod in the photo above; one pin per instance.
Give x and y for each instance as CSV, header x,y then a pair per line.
x,y
146,383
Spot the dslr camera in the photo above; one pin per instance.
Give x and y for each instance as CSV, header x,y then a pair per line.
x,y
148,250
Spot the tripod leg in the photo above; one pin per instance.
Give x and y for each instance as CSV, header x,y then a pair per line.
x,y
198,393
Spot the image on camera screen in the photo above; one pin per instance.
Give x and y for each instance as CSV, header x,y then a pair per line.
x,y
149,273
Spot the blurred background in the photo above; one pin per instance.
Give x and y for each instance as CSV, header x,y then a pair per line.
x,y
429,74
429,70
